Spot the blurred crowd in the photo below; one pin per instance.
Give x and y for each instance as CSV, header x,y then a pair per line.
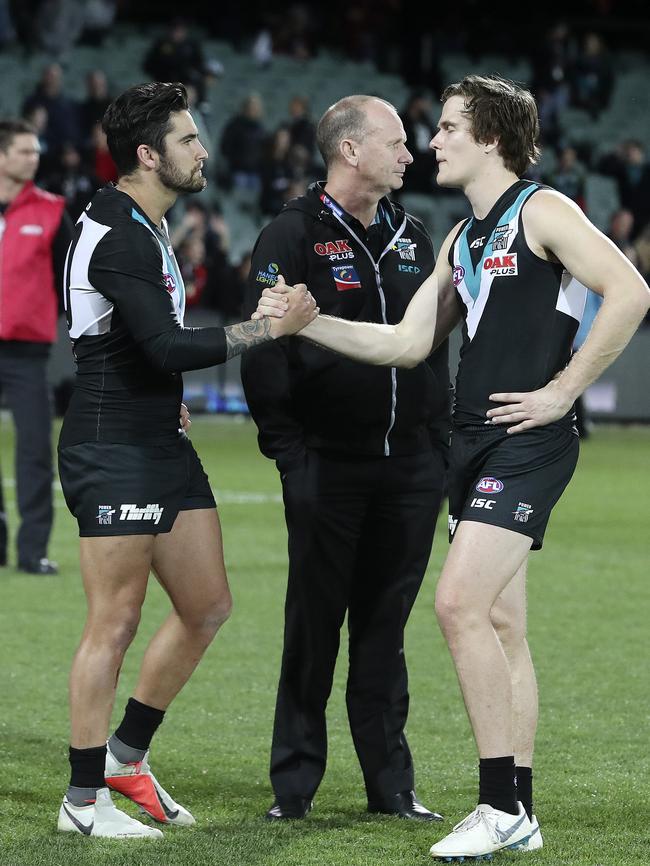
x,y
260,162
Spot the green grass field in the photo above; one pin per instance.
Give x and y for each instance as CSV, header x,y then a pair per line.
x,y
589,613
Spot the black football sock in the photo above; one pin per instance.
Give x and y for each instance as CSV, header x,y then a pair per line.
x,y
86,774
497,783
524,778
135,732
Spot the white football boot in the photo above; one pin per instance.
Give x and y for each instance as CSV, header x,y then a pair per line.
x,y
137,782
101,818
535,840
484,831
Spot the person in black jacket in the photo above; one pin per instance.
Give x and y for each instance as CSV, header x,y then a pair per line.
x,y
361,451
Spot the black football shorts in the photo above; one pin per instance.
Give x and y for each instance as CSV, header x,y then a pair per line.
x,y
115,489
509,480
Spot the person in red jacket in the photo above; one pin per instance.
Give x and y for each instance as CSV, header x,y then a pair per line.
x,y
34,236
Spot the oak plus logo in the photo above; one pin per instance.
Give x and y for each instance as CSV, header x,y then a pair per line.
x,y
336,251
130,511
501,266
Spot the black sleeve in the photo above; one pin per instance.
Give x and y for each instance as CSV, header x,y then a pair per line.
x,y
265,373
126,268
60,245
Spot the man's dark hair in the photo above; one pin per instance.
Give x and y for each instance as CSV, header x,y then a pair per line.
x,y
501,110
9,129
141,115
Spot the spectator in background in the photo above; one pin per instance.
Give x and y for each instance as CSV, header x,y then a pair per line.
x,y
569,177
37,119
194,269
294,32
642,251
200,119
7,36
62,112
621,227
552,60
34,238
302,129
91,110
592,77
176,56
207,261
72,181
99,158
629,167
419,129
276,172
98,20
59,24
242,144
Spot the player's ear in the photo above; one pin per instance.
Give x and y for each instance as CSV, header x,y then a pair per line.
x,y
349,151
489,146
147,156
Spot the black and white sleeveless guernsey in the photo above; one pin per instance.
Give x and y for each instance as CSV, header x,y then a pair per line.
x,y
521,312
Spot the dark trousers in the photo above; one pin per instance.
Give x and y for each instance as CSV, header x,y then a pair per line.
x,y
360,535
24,386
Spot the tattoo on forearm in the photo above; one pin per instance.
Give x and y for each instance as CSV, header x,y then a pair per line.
x,y
245,335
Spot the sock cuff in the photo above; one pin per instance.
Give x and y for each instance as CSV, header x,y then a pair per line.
x,y
152,713
504,761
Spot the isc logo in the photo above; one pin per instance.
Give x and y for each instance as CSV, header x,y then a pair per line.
x,y
488,504
489,485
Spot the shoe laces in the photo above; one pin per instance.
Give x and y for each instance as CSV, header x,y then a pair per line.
x,y
482,814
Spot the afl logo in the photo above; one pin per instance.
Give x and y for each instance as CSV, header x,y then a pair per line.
x,y
170,282
489,485
458,274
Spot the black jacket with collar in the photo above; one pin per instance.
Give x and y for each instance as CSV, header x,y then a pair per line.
x,y
303,396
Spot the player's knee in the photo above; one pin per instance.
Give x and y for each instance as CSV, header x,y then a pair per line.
x,y
455,612
116,633
207,621
510,629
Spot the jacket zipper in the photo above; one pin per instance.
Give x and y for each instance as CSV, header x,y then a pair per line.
x,y
382,300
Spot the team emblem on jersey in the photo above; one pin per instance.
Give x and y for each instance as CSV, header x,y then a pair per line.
x,y
458,274
345,278
336,251
269,277
105,514
170,282
406,249
523,512
500,238
489,485
501,266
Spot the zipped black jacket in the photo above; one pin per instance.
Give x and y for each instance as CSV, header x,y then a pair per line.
x,y
303,396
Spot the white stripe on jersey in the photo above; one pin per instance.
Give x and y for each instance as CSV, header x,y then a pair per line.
x,y
572,297
90,312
